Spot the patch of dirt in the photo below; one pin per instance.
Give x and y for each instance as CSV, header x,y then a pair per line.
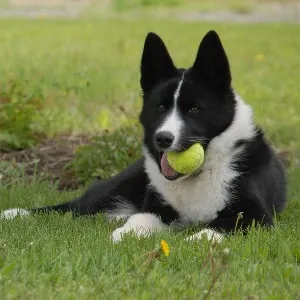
x,y
46,160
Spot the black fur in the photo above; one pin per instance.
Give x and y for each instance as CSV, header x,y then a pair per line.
x,y
258,192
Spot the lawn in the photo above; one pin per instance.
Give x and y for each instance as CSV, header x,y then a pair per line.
x,y
82,71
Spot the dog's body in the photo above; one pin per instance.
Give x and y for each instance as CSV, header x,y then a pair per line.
x,y
240,174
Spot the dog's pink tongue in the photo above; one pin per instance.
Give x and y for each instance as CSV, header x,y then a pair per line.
x,y
166,169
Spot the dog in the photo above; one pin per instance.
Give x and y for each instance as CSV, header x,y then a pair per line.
x,y
241,181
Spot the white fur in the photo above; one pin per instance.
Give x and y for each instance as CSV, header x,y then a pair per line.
x,y
173,123
117,216
177,92
199,198
142,224
210,234
12,213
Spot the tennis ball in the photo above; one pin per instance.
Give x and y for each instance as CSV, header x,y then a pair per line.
x,y
188,161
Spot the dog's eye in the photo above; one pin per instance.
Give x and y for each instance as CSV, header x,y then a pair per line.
x,y
193,110
161,108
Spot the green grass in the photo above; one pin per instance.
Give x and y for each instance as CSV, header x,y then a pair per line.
x,y
81,68
65,258
90,66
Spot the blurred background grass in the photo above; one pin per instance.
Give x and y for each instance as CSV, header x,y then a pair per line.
x,y
73,67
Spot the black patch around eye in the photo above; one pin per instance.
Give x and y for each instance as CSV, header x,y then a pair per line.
x,y
161,108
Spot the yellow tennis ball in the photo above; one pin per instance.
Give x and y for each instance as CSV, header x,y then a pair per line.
x,y
188,161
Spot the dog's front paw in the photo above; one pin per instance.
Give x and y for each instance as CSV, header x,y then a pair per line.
x,y
210,234
142,224
118,234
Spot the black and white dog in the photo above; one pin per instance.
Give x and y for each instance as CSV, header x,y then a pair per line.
x,y
240,174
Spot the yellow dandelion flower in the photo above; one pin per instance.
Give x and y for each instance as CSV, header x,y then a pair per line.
x,y
259,57
165,247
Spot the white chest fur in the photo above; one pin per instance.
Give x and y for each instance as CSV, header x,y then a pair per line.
x,y
199,198
196,198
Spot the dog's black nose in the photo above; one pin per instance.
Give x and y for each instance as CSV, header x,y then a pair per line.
x,y
164,139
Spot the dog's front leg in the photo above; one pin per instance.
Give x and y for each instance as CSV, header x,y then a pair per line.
x,y
155,215
142,224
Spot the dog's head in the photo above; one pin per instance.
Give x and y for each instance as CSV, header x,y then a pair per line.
x,y
184,106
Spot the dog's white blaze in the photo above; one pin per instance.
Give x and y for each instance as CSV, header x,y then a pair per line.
x,y
142,224
173,123
200,198
177,92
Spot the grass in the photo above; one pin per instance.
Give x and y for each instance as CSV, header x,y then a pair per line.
x,y
83,70
65,258
89,68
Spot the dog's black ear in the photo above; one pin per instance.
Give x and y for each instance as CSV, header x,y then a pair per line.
x,y
211,63
156,64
